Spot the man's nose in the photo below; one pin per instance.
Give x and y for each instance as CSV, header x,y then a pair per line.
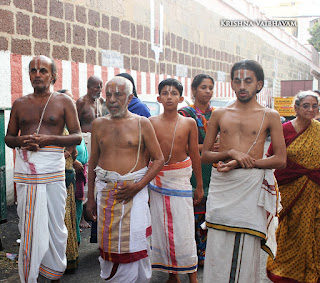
x,y
112,98
242,84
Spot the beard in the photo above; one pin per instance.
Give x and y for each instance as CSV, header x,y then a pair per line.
x,y
247,98
121,112
96,95
39,88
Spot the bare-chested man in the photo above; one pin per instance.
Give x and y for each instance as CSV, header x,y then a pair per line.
x,y
35,129
242,191
90,107
118,169
173,237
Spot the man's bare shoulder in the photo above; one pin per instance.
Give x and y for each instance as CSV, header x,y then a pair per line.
x,y
23,99
272,113
80,101
188,121
153,119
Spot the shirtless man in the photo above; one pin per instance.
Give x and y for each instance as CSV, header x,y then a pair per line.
x,y
119,171
35,129
237,204
90,106
173,247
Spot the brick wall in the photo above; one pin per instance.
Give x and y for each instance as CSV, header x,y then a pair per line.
x,y
77,31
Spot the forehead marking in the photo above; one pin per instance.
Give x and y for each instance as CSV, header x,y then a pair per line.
x,y
242,76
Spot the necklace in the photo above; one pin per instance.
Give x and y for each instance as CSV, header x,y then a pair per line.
x,y
174,135
42,114
40,123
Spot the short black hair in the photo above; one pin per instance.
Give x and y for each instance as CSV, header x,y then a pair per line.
x,y
249,65
171,82
198,80
130,78
62,90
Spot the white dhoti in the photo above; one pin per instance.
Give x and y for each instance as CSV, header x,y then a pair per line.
x,y
123,229
41,196
240,209
173,233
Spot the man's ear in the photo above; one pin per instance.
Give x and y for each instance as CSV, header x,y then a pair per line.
x,y
159,99
260,85
130,98
181,99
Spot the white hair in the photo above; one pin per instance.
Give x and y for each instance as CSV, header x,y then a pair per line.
x,y
128,88
303,94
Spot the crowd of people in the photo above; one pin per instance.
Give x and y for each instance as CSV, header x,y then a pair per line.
x,y
172,192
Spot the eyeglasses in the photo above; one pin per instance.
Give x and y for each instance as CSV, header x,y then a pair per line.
x,y
307,106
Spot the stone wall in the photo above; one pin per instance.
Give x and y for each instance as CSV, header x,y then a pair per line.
x,y
192,36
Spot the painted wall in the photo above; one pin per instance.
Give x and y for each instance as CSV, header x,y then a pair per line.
x,y
151,39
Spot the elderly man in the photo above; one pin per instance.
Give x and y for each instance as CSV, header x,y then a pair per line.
x,y
35,130
119,170
242,192
90,106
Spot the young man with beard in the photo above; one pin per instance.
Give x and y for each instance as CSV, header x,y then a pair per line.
x,y
35,130
119,171
242,190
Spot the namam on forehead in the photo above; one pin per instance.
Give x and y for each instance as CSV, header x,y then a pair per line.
x,y
114,84
38,62
169,88
242,75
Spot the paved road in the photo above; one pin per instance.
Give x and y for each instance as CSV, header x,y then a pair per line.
x,y
89,269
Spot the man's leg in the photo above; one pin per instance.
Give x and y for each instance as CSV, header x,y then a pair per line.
x,y
193,277
173,278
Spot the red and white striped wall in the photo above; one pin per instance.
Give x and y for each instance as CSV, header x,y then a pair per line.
x,y
14,78
14,81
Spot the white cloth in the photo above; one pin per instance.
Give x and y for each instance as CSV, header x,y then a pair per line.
x,y
239,199
134,272
173,233
231,257
123,229
41,196
242,204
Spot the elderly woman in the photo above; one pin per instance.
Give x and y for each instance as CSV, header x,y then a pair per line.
x,y
298,234
200,111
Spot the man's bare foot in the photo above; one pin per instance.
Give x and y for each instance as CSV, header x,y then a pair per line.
x,y
173,278
84,224
193,277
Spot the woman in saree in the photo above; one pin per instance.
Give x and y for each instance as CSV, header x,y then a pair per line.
x,y
200,111
298,234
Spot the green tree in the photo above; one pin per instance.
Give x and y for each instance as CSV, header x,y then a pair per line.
x,y
315,36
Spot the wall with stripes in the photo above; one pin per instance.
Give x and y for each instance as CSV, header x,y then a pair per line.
x,y
14,81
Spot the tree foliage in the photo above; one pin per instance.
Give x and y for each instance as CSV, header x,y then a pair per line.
x,y
315,36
